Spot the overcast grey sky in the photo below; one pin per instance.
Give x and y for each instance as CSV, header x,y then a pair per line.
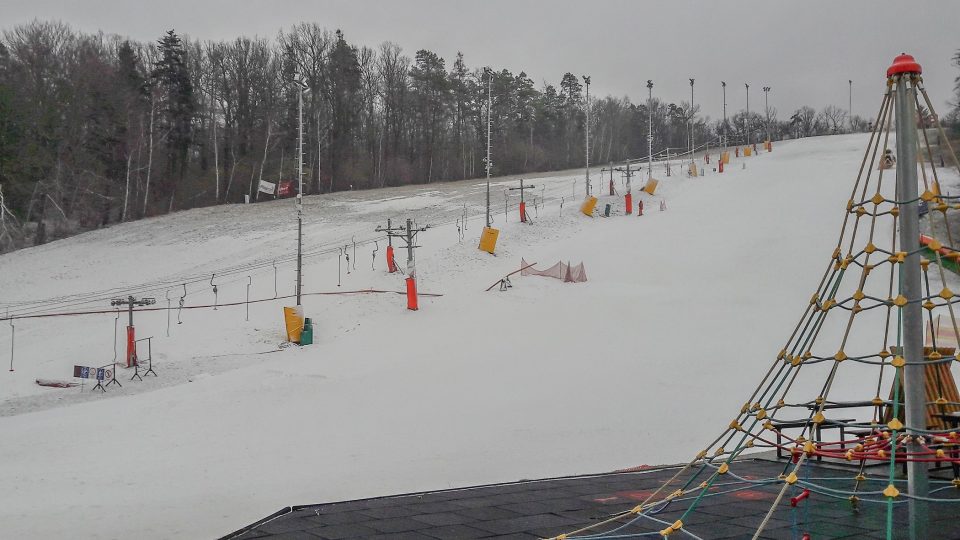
x,y
805,50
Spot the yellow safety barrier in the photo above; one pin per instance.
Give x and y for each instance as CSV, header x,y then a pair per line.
x,y
747,151
293,317
488,239
651,186
725,158
588,205
693,170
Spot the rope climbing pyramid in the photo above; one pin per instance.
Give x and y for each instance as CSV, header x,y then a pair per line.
x,y
859,404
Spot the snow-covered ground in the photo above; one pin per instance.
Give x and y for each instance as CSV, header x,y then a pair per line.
x,y
643,364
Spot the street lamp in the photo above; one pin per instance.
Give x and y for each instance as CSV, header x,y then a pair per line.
x,y
766,105
586,80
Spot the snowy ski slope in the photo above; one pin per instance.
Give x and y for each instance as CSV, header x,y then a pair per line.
x,y
644,363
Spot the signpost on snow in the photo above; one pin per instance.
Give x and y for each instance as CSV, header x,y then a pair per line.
x,y
99,374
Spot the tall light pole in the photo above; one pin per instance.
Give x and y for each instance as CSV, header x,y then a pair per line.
x,y
650,129
766,105
300,192
747,123
850,103
587,132
690,123
488,164
724,85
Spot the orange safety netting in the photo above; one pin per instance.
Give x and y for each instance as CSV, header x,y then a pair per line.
x,y
562,271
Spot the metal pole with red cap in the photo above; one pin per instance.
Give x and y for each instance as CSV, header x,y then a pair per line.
x,y
906,70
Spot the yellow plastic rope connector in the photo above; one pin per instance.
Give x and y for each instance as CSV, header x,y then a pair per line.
x,y
840,356
761,414
877,199
672,529
927,196
900,300
946,293
869,248
895,424
734,425
935,244
898,362
723,469
849,455
791,478
891,491
818,418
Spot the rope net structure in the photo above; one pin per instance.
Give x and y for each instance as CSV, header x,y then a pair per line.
x,y
843,358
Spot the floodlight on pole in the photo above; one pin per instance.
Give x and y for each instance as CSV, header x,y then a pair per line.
x,y
747,123
850,103
488,163
766,105
690,123
650,128
299,192
586,130
723,84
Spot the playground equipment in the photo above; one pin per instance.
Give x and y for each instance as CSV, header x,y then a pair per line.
x,y
949,257
863,324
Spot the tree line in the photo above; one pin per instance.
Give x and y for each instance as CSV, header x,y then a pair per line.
x,y
97,129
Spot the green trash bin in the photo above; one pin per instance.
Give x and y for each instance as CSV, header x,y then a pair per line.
x,y
306,336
